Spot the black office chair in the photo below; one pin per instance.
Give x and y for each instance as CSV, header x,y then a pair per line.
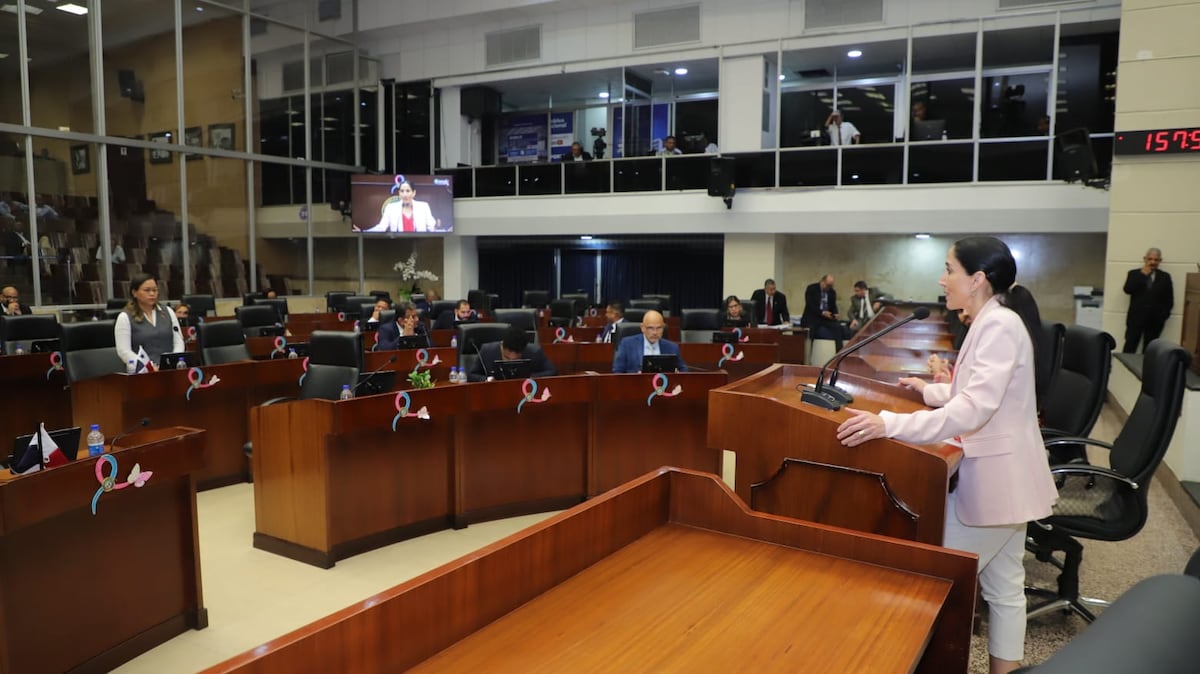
x,y
1150,628
1049,356
24,330
635,315
334,299
438,308
649,304
256,317
471,336
221,342
1110,504
1072,404
200,305
625,329
536,299
385,295
697,325
352,305
250,298
89,350
480,301
748,307
526,319
280,304
562,313
581,301
663,300
115,303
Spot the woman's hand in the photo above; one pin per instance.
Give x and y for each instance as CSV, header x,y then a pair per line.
x,y
860,427
915,383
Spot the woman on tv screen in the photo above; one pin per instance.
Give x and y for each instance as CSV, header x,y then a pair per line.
x,y
404,213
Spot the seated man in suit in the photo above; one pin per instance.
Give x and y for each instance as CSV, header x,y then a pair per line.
x,y
513,346
864,304
407,324
649,343
615,313
820,311
770,306
381,305
12,302
462,314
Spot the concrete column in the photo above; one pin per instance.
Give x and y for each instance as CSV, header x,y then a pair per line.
x,y
741,94
749,260
460,265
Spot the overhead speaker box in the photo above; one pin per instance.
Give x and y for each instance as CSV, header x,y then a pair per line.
x,y
721,177
1075,158
130,87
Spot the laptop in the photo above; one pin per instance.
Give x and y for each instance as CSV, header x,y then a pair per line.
x,y
168,361
662,363
413,342
721,337
266,331
371,383
67,439
518,368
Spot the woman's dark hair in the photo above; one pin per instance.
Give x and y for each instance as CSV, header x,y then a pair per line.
x,y
731,298
992,257
131,307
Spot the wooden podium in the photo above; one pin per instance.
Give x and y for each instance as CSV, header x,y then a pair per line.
x,y
83,592
789,461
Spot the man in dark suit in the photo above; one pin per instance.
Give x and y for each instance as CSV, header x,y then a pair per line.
x,y
513,346
770,305
407,323
12,302
820,311
864,304
650,343
615,313
450,319
1151,297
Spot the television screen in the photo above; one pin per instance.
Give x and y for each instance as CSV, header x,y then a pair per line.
x,y
399,204
662,363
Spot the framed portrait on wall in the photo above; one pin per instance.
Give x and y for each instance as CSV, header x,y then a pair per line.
x,y
194,137
160,156
81,160
221,136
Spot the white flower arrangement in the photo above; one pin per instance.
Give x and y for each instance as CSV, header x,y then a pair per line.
x,y
409,272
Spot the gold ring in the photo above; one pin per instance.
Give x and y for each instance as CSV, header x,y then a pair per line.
x,y
861,432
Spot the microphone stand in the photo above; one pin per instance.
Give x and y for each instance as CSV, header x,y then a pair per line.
x,y
145,421
362,385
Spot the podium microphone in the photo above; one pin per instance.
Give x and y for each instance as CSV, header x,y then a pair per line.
x,y
142,423
829,396
362,383
482,362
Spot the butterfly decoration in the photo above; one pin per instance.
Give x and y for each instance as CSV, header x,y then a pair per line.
x,y
107,480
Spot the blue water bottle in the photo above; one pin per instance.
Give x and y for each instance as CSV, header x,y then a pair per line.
x,y
95,441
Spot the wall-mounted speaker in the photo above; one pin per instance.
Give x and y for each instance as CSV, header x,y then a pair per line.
x,y
130,87
1075,158
721,177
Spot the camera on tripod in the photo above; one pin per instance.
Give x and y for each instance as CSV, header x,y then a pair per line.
x,y
598,146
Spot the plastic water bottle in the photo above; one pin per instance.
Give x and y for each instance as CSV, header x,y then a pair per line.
x,y
20,350
453,341
944,136
292,354
454,378
181,364
131,366
346,393
95,441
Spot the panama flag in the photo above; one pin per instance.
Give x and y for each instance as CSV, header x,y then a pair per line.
x,y
42,450
143,362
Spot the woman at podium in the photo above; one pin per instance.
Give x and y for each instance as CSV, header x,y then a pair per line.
x,y
145,324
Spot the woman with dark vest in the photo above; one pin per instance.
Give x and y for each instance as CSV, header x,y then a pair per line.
x,y
146,324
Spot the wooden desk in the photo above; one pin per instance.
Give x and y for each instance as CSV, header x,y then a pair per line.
x,y
85,592
789,461
118,401
906,351
28,395
332,479
667,573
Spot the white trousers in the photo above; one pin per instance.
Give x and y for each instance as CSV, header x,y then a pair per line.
x,y
1001,551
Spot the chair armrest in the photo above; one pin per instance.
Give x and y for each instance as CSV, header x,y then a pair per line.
x,y
1048,433
282,399
1097,471
1053,442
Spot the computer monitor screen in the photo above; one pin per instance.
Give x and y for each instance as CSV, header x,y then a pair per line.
x,y
399,204
169,361
518,368
660,363
928,129
722,337
67,440
371,383
44,346
265,331
412,342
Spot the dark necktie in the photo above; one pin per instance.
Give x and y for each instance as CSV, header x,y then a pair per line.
x,y
770,313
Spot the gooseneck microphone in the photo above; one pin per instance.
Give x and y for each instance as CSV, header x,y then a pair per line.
x,y
829,396
482,361
142,423
362,384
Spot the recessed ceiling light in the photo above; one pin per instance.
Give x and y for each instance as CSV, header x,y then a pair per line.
x,y
922,236
603,94
29,9
781,77
854,53
199,9
681,71
586,237
71,8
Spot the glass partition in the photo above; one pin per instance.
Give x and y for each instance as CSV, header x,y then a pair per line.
x,y
12,102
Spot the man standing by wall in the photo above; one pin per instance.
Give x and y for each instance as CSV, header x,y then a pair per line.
x,y
1151,297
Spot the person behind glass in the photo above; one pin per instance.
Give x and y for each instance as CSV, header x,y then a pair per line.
x,y
146,324
407,324
577,153
615,314
450,319
405,214
770,305
118,252
12,302
381,305
650,343
513,346
668,147
840,131
989,408
734,315
820,312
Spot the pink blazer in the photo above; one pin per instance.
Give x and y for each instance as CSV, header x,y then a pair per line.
x,y
990,408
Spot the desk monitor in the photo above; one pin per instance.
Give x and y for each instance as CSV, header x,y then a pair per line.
x,y
266,331
371,383
168,361
518,368
44,345
928,129
190,321
67,440
412,342
722,337
662,363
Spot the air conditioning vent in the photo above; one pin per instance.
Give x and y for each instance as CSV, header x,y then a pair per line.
x,y
668,26
835,13
514,46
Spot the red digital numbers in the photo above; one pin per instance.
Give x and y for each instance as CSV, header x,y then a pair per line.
x,y
1166,141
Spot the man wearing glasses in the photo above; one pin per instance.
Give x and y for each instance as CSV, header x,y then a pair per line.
x,y
650,343
12,302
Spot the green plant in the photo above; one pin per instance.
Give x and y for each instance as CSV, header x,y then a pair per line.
x,y
420,379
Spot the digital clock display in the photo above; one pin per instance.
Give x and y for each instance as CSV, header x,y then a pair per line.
x,y
1164,141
